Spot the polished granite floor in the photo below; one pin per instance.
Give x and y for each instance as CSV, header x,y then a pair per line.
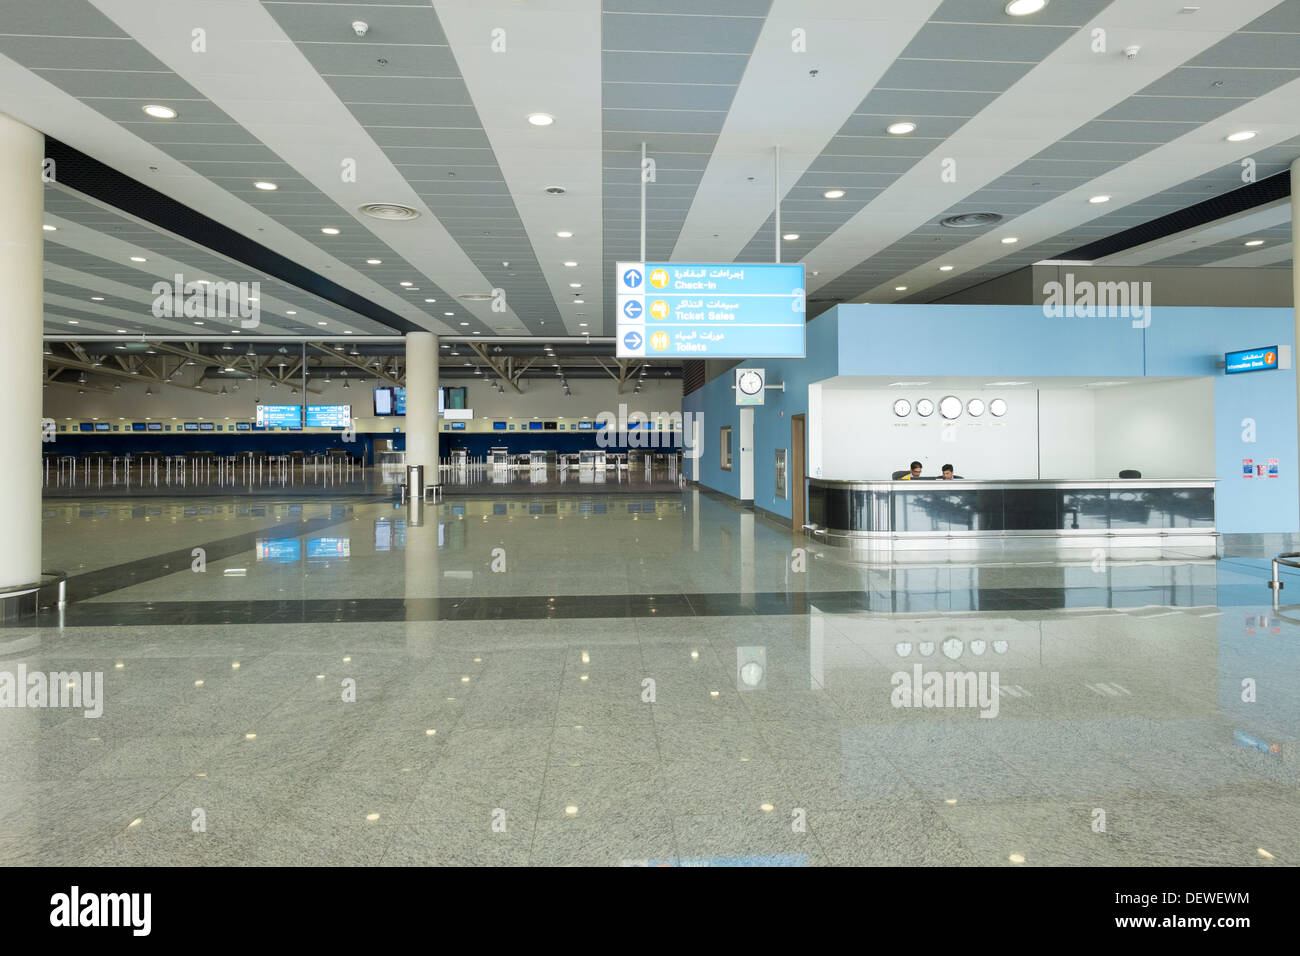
x,y
578,679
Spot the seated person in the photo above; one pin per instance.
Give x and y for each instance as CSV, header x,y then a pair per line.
x,y
948,473
914,473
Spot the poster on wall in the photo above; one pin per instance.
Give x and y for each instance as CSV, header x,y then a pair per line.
x,y
1248,468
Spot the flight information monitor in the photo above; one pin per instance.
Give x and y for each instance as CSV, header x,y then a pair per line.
x,y
329,416
383,401
279,416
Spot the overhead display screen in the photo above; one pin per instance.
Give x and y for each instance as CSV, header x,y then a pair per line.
x,y
191,426
103,427
399,400
155,426
329,416
138,427
1251,360
585,426
242,426
279,416
498,426
535,426
710,310
383,401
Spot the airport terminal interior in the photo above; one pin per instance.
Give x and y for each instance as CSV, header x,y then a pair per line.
x,y
649,433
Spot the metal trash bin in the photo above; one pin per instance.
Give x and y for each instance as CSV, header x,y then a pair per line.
x,y
414,487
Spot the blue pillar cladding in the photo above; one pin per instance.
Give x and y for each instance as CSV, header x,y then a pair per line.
x,y
908,341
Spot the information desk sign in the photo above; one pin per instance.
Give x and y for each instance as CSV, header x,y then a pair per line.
x,y
709,310
1251,360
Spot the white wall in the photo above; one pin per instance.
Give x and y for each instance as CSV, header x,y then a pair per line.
x,y
541,397
863,439
1162,429
1067,446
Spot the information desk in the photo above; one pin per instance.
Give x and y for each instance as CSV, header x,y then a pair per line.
x,y
868,515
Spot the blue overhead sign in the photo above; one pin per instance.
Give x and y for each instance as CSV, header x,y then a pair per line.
x,y
710,310
1251,360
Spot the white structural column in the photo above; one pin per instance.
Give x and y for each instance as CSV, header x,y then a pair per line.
x,y
1295,282
22,204
422,403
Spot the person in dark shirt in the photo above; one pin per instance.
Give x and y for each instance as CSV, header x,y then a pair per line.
x,y
948,473
914,473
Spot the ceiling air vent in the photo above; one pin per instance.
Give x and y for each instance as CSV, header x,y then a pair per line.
x,y
971,220
389,210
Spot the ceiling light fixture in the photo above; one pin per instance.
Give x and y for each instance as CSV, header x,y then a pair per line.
x,y
1023,8
139,259
790,236
1254,242
160,112
374,262
945,268
901,128
1241,136
329,230
541,119
834,194
564,234
48,228
1098,199
1008,240
571,264
263,185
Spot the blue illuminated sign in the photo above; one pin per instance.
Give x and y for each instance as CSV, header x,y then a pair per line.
x,y
710,310
279,416
1251,360
329,416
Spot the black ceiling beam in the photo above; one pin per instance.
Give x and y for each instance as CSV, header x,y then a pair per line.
x,y
87,175
1218,207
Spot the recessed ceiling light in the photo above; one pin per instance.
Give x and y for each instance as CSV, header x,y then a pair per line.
x,y
347,332
900,288
139,259
570,264
449,313
834,194
374,262
945,268
1023,8
264,185
564,234
1241,136
1098,199
96,298
121,331
899,129
464,323
541,119
406,284
555,190
160,112
329,230
575,285
49,228
579,301
198,323
1008,240
430,300
1254,242
74,322
320,323
582,325
790,236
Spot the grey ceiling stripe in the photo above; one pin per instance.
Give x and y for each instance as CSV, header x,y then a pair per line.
x,y
407,92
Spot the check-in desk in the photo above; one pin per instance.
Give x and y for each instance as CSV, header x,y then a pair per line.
x,y
945,515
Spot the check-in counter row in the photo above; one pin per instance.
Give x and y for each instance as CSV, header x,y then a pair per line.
x,y
854,512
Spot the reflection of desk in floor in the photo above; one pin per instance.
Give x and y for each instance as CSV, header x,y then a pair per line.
x,y
1145,512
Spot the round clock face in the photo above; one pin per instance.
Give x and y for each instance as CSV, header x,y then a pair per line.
x,y
752,674
925,408
950,406
997,407
975,407
902,407
750,383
